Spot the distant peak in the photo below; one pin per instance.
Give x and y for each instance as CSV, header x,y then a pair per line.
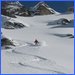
x,y
42,3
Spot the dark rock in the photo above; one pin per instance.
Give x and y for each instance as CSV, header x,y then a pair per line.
x,y
18,25
6,41
7,47
12,25
65,21
8,25
69,35
72,37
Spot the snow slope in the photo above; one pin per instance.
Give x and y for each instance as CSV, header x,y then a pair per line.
x,y
54,55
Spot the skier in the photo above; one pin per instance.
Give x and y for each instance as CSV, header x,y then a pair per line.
x,y
36,42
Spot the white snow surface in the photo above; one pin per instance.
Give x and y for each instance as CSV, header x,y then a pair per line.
x,y
54,55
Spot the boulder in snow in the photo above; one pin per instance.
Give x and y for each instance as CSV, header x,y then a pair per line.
x,y
6,42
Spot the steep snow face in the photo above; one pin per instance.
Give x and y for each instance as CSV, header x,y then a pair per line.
x,y
54,55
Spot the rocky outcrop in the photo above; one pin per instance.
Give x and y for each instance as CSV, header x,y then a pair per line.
x,y
6,42
61,21
12,25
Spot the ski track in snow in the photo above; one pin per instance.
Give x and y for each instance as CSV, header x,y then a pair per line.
x,y
35,67
51,62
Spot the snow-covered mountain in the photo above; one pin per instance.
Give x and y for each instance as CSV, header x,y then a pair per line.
x,y
43,9
12,8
